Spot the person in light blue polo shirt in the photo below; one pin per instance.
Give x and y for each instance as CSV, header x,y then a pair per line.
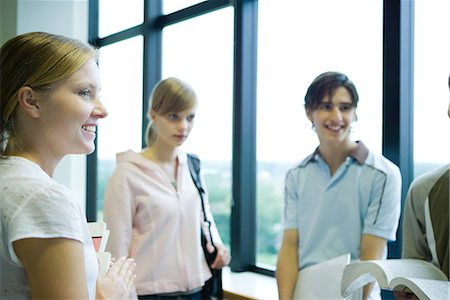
x,y
340,199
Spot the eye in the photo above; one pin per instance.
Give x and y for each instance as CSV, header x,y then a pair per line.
x,y
325,106
172,117
346,107
86,94
191,118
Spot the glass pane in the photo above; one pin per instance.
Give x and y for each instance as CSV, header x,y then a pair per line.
x,y
118,15
121,72
170,6
346,37
431,96
200,51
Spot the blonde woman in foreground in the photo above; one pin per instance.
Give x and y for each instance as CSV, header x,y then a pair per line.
x,y
50,107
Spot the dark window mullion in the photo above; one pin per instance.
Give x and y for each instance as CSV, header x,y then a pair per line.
x,y
194,11
243,214
152,55
398,43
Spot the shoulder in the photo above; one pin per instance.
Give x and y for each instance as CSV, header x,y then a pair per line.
x,y
300,167
130,164
383,165
34,187
425,182
46,210
431,176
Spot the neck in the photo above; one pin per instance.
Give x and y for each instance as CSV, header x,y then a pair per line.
x,y
166,160
47,165
335,154
160,154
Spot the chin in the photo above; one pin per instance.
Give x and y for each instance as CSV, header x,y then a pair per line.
x,y
87,149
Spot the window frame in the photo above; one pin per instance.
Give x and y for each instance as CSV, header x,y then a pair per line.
x,y
397,145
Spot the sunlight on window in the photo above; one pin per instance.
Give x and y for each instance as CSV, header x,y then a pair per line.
x,y
431,96
121,72
200,51
117,15
346,37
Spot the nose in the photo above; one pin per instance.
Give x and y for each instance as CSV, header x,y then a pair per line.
x,y
99,110
183,124
336,113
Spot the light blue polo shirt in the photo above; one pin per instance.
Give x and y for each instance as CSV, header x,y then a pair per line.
x,y
332,212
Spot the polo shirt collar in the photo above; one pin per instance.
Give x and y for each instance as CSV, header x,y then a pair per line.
x,y
360,154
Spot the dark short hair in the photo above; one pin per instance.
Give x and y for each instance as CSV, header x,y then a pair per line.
x,y
325,85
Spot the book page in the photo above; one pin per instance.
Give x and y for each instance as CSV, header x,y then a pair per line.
x,y
104,261
104,241
424,289
321,281
358,274
351,285
410,268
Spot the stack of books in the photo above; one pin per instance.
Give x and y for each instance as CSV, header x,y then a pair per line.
x,y
100,233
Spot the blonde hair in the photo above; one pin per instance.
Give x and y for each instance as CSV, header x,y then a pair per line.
x,y
36,60
170,95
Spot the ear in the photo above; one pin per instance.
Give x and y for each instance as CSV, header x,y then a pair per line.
x,y
308,113
28,101
152,115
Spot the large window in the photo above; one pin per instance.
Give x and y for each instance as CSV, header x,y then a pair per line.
x,y
121,93
347,37
200,51
250,63
118,15
432,68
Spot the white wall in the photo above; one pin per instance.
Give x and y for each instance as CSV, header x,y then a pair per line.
x,y
70,18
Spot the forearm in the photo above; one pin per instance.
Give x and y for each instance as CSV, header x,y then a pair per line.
x,y
372,248
287,272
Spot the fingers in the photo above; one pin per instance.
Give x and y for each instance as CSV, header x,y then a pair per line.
x,y
131,281
119,279
116,265
222,259
210,248
123,268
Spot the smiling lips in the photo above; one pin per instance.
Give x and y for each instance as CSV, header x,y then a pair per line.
x,y
89,128
335,128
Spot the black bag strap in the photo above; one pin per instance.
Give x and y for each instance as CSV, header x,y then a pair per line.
x,y
194,169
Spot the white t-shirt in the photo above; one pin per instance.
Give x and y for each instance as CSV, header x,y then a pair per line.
x,y
33,205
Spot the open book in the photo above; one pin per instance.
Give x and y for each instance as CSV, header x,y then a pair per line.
x,y
420,277
310,280
99,234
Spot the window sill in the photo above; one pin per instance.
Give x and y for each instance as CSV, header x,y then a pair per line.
x,y
248,285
